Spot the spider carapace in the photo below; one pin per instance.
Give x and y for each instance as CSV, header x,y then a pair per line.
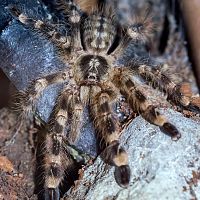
x,y
91,44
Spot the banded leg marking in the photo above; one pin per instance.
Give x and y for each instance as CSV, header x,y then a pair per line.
x,y
69,10
139,103
179,94
55,158
28,99
107,126
47,29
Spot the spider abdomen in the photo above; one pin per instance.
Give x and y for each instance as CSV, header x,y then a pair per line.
x,y
99,33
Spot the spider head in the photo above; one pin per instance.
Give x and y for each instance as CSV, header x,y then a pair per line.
x,y
92,67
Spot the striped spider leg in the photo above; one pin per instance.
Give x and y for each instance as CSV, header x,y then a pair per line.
x,y
180,94
67,112
138,102
95,42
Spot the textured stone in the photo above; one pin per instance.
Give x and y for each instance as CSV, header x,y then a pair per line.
x,y
161,168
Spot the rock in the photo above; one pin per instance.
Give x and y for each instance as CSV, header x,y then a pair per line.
x,y
161,168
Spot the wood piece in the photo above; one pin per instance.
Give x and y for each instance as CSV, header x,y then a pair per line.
x,y
191,15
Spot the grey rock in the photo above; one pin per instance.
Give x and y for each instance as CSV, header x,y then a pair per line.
x,y
161,168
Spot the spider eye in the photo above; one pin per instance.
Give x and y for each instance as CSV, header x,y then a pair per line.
x,y
137,27
135,31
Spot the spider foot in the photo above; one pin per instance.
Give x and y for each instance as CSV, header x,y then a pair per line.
x,y
194,105
117,156
171,130
122,175
182,96
52,194
154,117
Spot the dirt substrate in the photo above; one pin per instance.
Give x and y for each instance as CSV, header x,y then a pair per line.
x,y
17,164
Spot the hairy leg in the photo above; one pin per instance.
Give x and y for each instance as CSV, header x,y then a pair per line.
x,y
178,94
71,13
139,103
138,30
56,160
26,100
107,126
69,10
51,31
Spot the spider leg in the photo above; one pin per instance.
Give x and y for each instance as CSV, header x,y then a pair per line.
x,y
50,31
107,127
138,30
56,160
71,13
139,103
76,110
69,10
26,100
179,94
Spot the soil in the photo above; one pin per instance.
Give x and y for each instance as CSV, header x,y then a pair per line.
x,y
17,163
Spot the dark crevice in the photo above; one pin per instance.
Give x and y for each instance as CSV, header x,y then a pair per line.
x,y
83,18
174,9
4,25
4,91
164,36
116,41
71,176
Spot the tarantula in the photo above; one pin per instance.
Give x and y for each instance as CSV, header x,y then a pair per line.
x,y
92,48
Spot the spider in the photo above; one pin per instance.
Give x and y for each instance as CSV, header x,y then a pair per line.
x,y
91,45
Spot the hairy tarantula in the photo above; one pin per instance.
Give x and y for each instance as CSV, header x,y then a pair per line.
x,y
95,79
